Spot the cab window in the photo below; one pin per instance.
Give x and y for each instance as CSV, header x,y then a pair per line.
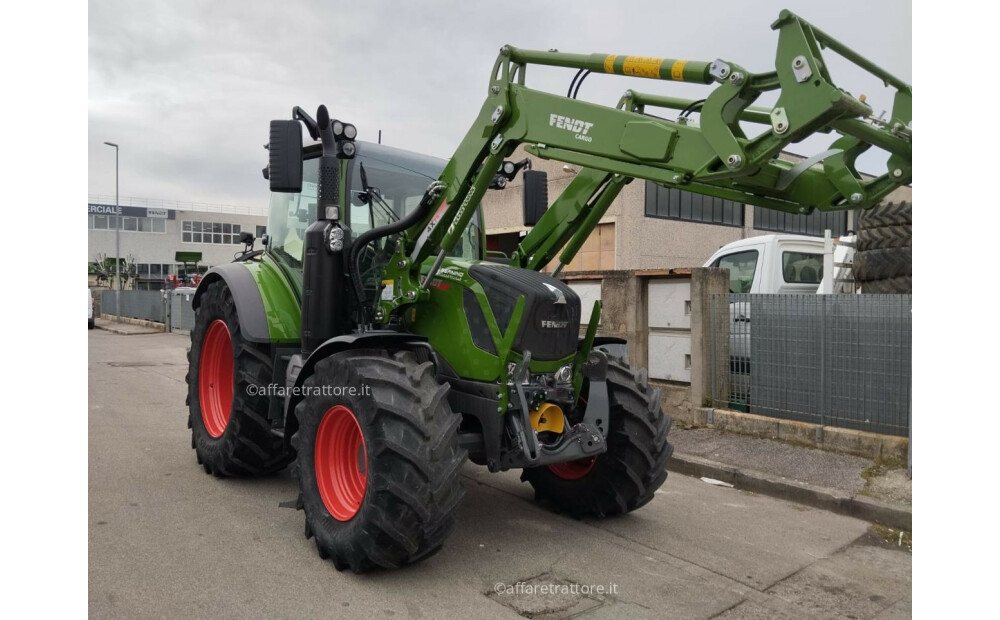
x,y
801,267
290,215
741,266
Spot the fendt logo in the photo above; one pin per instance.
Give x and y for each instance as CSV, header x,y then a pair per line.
x,y
578,127
555,324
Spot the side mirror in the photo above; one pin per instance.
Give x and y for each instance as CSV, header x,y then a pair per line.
x,y
285,157
246,237
536,195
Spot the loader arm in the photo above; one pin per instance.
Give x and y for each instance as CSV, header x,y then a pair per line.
x,y
614,145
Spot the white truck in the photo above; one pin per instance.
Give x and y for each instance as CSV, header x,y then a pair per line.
x,y
772,264
776,263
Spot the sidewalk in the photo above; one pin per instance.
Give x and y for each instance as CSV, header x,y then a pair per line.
x,y
124,329
841,483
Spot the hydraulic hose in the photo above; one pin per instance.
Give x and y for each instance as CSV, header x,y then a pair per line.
x,y
377,233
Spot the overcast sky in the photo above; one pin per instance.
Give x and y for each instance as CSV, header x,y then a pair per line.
x,y
186,88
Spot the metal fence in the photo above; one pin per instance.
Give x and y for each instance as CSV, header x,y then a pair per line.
x,y
181,312
172,308
837,360
146,305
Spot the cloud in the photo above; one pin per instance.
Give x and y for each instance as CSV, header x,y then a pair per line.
x,y
187,87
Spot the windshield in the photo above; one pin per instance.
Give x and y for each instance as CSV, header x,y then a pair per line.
x,y
396,181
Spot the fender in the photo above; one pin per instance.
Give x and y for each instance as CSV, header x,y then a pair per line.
x,y
246,296
299,371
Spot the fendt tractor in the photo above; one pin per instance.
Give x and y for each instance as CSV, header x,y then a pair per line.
x,y
375,345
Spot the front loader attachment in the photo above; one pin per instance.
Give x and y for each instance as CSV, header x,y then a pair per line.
x,y
616,144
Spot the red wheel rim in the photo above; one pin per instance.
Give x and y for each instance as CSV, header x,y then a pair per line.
x,y
215,378
573,470
341,463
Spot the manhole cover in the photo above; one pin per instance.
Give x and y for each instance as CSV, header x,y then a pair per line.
x,y
544,597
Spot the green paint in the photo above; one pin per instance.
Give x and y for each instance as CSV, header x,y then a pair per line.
x,y
280,294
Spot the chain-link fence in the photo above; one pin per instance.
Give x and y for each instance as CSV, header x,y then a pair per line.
x,y
837,360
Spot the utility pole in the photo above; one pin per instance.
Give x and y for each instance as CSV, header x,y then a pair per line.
x,y
118,227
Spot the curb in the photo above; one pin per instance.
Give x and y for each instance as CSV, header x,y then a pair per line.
x,y
861,507
114,329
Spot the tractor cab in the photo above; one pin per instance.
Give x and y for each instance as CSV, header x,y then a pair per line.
x,y
384,184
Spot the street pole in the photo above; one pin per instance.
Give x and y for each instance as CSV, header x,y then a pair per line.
x,y
118,227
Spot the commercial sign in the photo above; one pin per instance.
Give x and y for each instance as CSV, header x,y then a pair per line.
x,y
103,209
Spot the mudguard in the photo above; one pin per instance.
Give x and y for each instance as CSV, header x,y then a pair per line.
x,y
377,339
246,296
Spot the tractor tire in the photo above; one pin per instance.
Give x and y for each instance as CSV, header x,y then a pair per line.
x,y
885,237
892,286
379,470
625,477
886,214
227,411
883,264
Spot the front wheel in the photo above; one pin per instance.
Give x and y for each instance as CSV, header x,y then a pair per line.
x,y
378,460
626,476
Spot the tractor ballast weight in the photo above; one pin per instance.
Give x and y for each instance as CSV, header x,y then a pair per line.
x,y
368,282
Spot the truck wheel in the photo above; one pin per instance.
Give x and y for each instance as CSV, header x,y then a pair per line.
x,y
625,477
230,431
379,469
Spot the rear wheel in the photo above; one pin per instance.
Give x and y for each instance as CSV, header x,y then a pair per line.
x,y
626,476
227,402
379,468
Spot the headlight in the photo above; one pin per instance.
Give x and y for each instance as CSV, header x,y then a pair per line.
x,y
350,131
336,239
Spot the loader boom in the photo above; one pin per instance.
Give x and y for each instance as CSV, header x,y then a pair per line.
x,y
615,145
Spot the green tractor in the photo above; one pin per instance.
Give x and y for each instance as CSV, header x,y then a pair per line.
x,y
375,345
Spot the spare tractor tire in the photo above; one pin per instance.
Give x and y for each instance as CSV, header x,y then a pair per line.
x,y
892,286
884,237
883,262
886,214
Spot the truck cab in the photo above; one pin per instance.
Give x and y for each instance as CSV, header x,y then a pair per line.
x,y
772,264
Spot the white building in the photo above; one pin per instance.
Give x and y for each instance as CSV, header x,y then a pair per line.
x,y
153,232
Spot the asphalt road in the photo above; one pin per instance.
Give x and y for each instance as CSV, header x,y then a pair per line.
x,y
168,541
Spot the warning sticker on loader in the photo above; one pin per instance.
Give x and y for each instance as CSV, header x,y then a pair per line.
x,y
388,288
642,66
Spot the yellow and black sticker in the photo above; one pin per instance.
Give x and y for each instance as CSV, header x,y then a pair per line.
x,y
609,63
677,70
642,66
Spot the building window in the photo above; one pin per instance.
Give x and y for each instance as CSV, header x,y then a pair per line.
x,y
129,223
210,232
813,224
260,232
675,204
